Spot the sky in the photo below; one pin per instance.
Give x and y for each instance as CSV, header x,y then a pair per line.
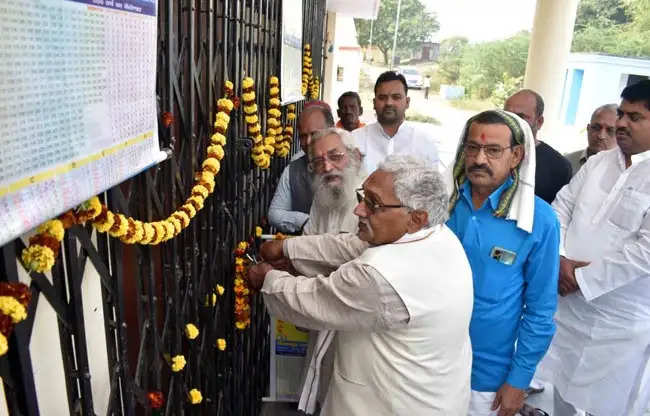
x,y
482,20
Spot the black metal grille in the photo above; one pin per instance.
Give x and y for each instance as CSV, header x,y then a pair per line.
x,y
150,293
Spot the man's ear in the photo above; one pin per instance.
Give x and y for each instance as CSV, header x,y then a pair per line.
x,y
360,110
338,112
518,153
540,122
418,220
408,102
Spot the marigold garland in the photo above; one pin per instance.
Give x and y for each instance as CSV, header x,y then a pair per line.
x,y
221,344
191,331
273,139
285,143
260,153
178,363
44,246
14,300
306,68
242,293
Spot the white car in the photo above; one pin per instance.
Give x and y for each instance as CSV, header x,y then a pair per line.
x,y
413,77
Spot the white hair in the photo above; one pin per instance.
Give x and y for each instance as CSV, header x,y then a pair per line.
x,y
347,139
418,185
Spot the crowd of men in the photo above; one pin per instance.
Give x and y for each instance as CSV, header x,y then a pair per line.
x,y
444,293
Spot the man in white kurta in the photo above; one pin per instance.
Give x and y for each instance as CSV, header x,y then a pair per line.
x,y
400,299
392,134
598,360
335,163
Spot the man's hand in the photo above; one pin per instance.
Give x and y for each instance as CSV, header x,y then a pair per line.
x,y
567,282
256,274
272,250
508,400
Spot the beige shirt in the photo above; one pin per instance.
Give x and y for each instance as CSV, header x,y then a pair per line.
x,y
353,297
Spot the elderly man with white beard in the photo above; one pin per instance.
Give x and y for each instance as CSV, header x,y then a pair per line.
x,y
335,164
399,300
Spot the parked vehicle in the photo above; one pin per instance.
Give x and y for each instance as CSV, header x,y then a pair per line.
x,y
413,77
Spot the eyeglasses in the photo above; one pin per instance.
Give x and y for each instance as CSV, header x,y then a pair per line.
x,y
492,151
373,206
597,128
318,163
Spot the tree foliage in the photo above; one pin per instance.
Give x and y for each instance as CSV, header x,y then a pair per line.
x,y
450,59
486,65
617,27
415,26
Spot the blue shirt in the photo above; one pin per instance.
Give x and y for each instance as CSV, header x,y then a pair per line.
x,y
512,320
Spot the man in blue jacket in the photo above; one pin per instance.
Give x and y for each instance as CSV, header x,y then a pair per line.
x,y
511,238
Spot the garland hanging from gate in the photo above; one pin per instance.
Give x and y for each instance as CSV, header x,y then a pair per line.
x,y
14,300
242,292
261,151
307,70
43,248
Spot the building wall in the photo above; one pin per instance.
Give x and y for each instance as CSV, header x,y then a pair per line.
x,y
343,64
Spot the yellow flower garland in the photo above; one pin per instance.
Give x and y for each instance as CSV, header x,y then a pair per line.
x,y
260,152
221,344
41,254
178,363
242,293
191,331
194,396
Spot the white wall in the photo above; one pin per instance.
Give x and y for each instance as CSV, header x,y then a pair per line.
x,y
603,80
45,346
345,53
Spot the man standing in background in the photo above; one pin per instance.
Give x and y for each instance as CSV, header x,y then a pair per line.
x,y
553,169
391,134
601,135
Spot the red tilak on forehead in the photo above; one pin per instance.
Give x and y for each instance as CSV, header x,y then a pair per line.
x,y
482,136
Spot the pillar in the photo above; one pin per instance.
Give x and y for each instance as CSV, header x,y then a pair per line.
x,y
548,52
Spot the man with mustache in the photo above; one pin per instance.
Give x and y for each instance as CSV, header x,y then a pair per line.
x,y
601,135
553,169
391,134
399,299
349,111
511,238
599,360
289,209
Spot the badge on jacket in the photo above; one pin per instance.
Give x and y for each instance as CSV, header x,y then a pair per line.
x,y
502,255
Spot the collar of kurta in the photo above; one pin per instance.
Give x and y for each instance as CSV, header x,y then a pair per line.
x,y
493,199
360,124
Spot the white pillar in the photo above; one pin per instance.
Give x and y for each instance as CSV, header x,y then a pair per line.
x,y
549,49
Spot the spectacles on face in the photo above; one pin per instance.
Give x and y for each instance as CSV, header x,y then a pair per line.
x,y
373,207
492,151
597,128
333,156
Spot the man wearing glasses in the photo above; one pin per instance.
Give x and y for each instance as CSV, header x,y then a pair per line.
x,y
399,300
336,171
601,135
511,238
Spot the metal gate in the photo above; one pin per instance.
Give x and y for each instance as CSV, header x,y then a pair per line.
x,y
149,293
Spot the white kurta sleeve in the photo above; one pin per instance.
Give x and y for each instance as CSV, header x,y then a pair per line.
x,y
354,297
326,250
620,267
565,202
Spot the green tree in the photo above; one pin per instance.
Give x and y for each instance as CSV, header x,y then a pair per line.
x,y
617,27
415,26
485,65
450,59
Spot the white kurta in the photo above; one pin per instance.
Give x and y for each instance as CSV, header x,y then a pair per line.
x,y
600,352
410,139
382,366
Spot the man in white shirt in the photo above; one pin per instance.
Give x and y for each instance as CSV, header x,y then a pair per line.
x,y
600,356
289,209
601,135
400,299
391,134
335,163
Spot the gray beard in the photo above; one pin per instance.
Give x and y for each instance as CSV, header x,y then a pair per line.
x,y
339,196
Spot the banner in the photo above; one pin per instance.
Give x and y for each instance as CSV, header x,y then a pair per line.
x,y
288,351
77,103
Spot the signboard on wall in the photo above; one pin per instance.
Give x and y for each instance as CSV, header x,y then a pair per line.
x,y
77,103
291,57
